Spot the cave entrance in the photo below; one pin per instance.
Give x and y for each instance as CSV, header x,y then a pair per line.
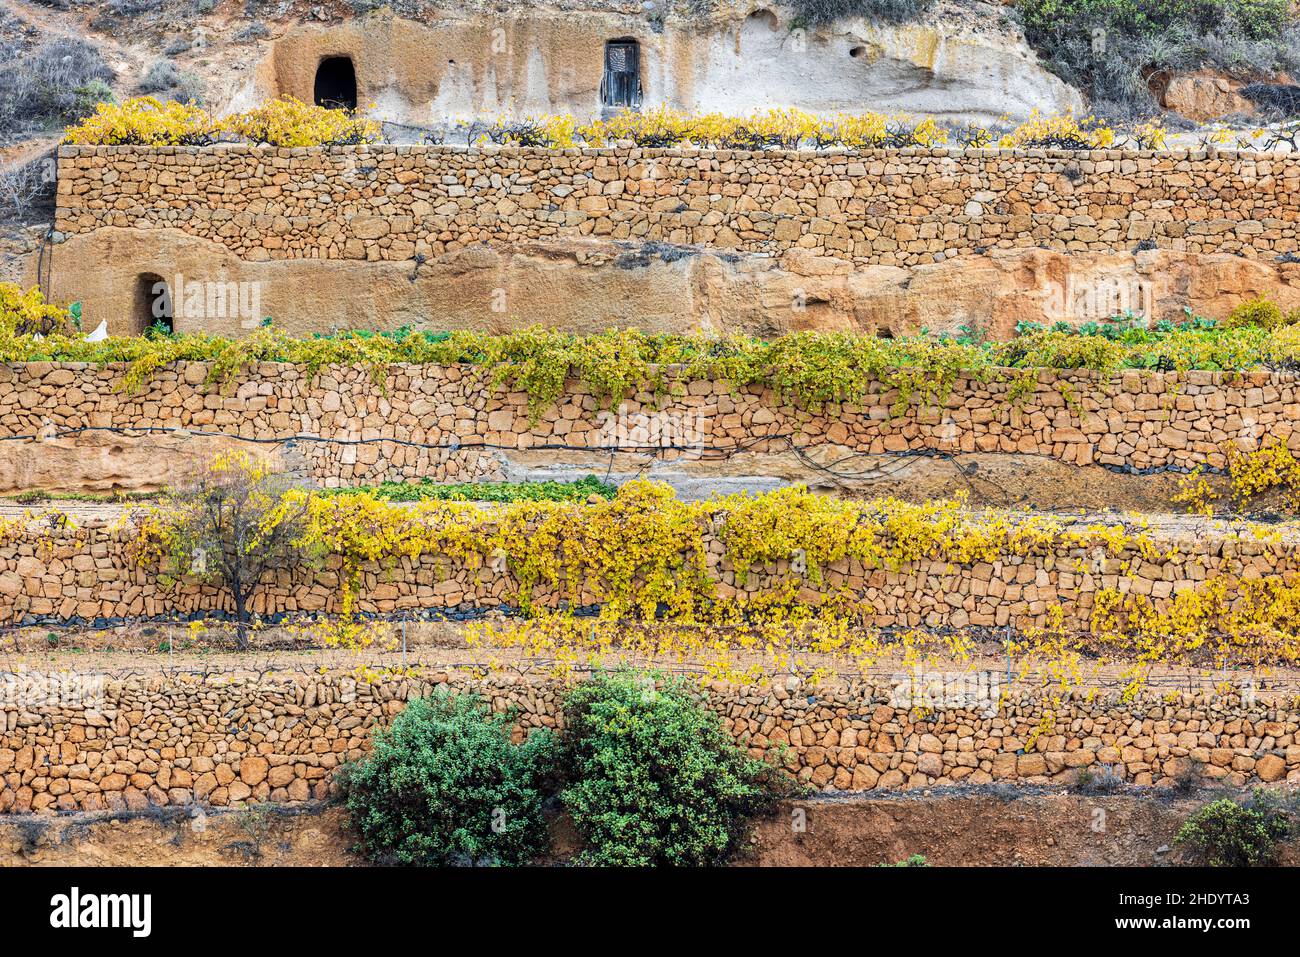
x,y
153,304
336,83
620,87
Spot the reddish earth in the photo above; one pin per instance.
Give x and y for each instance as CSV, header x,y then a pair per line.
x,y
955,827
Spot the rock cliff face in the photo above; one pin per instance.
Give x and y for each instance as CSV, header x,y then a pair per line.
x,y
589,285
972,65
1205,96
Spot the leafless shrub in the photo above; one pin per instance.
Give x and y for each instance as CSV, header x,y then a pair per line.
x,y
26,188
57,83
167,79
1102,779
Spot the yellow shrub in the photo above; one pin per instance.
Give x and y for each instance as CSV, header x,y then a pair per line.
x,y
552,132
660,126
1151,134
290,122
1271,466
876,131
783,128
144,121
27,313
1263,313
561,130
1059,132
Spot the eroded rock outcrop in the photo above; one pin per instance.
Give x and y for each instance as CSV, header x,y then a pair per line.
x,y
590,285
961,62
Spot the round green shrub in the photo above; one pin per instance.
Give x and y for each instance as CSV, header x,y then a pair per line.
x,y
1224,833
1262,313
654,778
444,785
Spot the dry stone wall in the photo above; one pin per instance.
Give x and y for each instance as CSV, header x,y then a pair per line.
x,y
88,574
901,207
227,739
1130,421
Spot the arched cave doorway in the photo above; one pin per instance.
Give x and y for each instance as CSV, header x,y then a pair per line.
x,y
620,86
336,83
153,304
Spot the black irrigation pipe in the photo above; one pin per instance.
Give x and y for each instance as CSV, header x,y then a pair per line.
x,y
1269,684
536,666
712,452
274,619
982,635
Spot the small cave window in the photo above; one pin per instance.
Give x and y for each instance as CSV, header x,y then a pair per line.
x,y
153,304
858,52
765,17
620,87
336,83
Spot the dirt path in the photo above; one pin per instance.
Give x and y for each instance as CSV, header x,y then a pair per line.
x,y
1160,525
436,649
948,826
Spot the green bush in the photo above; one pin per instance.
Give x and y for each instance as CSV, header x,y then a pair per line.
x,y
445,785
1261,313
915,860
1114,49
578,490
1224,833
653,778
1258,19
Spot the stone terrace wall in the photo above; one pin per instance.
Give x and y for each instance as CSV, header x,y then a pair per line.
x,y
225,739
1135,420
878,207
88,574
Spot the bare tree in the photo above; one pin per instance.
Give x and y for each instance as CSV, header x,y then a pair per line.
x,y
232,523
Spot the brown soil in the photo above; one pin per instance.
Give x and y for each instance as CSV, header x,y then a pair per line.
x,y
299,836
980,827
954,827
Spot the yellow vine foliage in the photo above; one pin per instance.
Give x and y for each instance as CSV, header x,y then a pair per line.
x,y
1151,134
1063,131
638,575
808,369
664,126
27,313
287,121
1227,621
1272,467
144,121
776,128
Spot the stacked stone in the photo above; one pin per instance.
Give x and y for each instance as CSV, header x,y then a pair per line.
x,y
899,207
227,739
1131,421
88,573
